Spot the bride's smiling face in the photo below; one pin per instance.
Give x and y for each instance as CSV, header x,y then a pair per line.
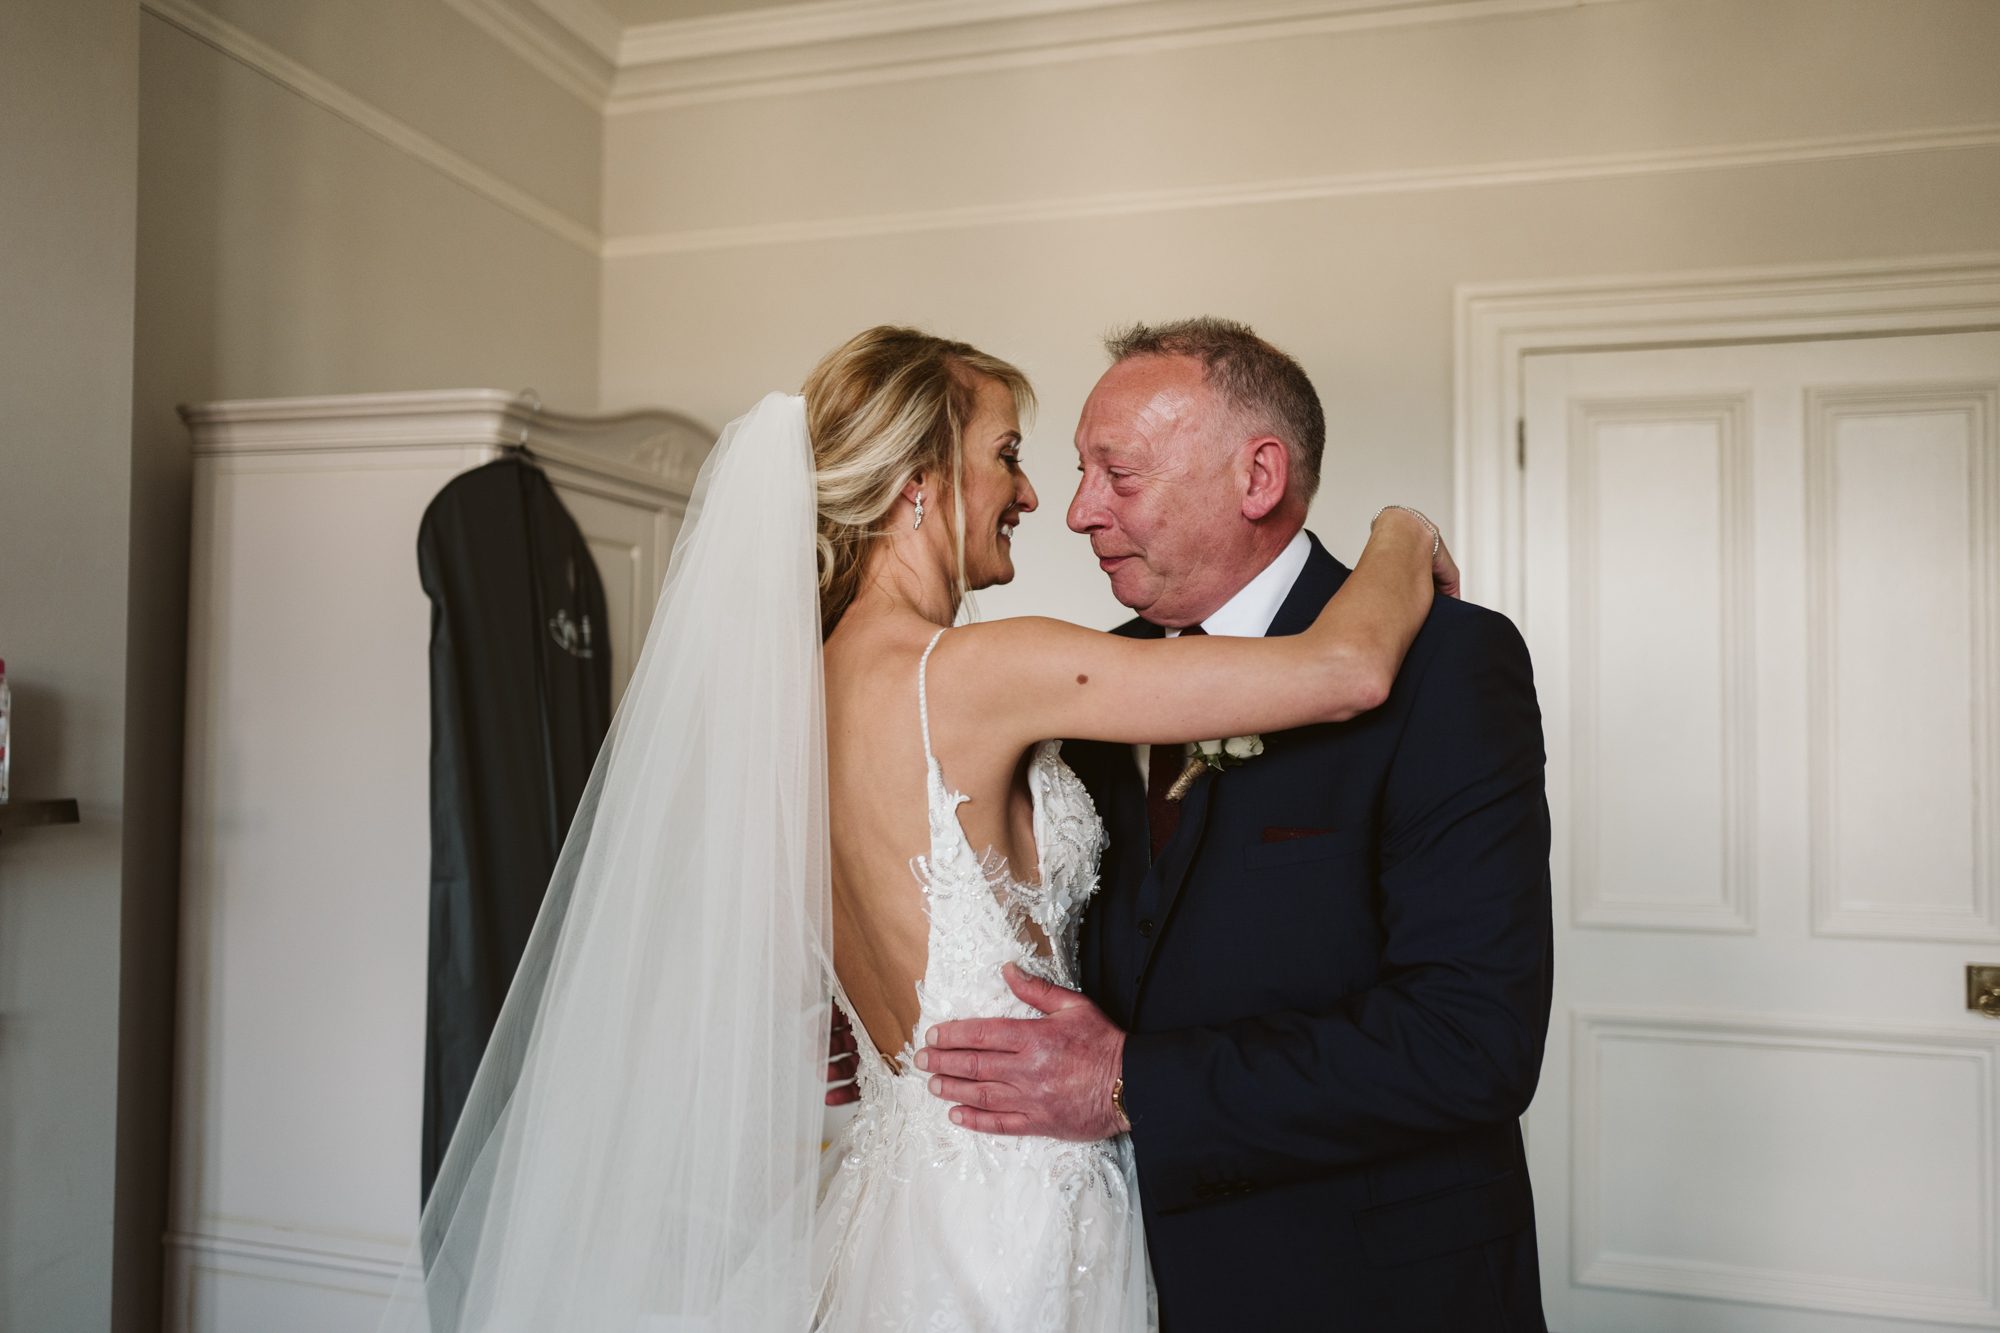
x,y
997,491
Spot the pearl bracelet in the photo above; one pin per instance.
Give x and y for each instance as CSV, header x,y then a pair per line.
x,y
1436,540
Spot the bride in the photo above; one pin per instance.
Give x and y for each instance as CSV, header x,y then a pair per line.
x,y
815,787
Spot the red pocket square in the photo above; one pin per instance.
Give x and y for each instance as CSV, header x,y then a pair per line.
x,y
1289,834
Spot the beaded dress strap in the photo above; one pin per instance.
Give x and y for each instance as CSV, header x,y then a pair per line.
x,y
923,699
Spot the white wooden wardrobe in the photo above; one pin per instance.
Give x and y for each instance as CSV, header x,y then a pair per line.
x,y
304,894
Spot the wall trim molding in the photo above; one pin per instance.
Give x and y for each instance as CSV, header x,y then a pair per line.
x,y
1499,324
848,43
1346,185
657,451
288,73
328,1252
828,44
587,20
833,21
566,41
1594,1264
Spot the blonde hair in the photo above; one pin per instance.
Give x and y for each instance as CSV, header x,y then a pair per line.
x,y
883,406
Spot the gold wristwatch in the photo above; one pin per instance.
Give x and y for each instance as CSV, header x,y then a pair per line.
x,y
1118,1101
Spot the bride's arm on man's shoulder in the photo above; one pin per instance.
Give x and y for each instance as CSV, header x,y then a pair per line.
x,y
1044,677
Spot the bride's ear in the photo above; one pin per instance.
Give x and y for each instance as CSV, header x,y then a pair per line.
x,y
915,487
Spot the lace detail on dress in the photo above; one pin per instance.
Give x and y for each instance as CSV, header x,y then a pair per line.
x,y
1069,844
926,1225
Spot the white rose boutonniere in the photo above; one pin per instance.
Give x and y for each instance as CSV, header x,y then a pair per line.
x,y
1217,755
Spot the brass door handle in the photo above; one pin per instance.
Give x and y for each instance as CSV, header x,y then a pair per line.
x,y
1982,989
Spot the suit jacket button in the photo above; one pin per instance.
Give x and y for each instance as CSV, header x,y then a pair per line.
x,y
1146,929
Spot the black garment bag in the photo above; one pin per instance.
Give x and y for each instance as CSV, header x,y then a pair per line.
x,y
520,703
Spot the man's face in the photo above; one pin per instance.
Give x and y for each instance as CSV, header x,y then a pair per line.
x,y
1159,498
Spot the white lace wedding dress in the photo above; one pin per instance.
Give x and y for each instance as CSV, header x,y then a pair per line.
x,y
923,1225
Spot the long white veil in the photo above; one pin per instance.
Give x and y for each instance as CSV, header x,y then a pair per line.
x,y
639,1151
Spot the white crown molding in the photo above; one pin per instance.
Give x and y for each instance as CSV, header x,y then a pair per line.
x,y
596,26
572,43
1643,163
281,69
846,43
820,21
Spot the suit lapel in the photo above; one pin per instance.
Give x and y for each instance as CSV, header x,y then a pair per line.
x,y
1161,891
1109,949
1311,591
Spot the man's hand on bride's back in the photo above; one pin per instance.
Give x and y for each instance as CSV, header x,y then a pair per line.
x,y
1048,1076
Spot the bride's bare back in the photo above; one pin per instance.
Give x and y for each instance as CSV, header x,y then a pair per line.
x,y
875,757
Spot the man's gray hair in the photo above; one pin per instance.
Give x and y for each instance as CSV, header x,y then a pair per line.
x,y
1252,377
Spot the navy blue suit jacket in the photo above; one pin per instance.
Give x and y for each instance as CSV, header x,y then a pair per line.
x,y
1332,1036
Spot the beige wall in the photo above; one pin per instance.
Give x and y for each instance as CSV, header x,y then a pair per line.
x,y
421,62
180,226
1359,287
284,250
68,100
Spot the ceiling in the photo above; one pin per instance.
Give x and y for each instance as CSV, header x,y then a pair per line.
x,y
631,13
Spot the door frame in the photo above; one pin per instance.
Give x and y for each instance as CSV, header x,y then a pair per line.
x,y
1498,325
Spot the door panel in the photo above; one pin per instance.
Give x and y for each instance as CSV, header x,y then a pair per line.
x,y
1898,528
1657,493
1760,594
1772,1162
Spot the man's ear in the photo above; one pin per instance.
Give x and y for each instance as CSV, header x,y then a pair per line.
x,y
1270,474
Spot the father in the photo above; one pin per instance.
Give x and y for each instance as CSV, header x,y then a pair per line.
x,y
1323,977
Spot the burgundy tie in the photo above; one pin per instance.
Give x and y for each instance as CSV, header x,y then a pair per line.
x,y
1163,766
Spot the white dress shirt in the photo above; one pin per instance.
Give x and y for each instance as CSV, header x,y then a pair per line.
x,y
1248,615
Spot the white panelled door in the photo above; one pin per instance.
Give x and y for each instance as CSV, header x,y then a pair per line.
x,y
1762,591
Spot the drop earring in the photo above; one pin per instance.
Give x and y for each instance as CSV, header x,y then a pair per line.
x,y
920,512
